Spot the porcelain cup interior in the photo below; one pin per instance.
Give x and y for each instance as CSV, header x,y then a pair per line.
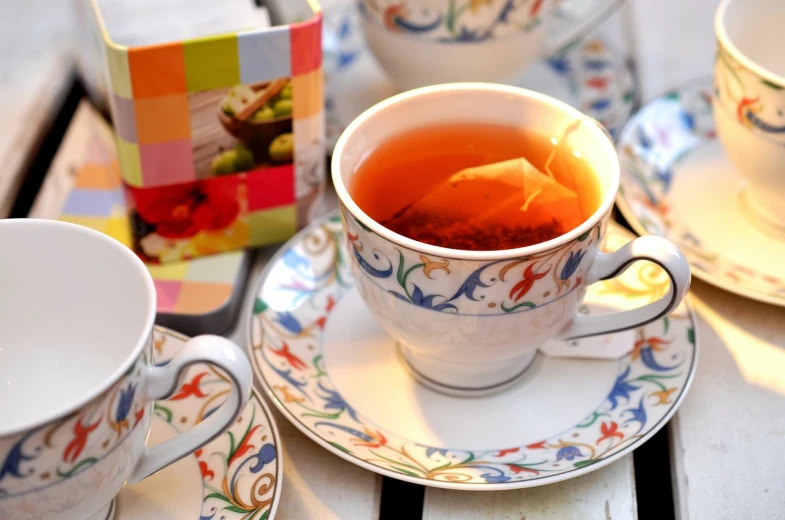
x,y
749,105
75,311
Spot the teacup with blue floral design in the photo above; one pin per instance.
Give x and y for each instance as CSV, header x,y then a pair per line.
x,y
470,322
425,42
79,373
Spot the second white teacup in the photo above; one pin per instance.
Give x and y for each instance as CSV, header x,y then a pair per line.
x,y
78,376
425,42
749,102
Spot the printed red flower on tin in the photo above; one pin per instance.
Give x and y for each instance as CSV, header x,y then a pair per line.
x,y
182,210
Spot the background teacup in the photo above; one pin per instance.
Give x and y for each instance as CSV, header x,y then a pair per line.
x,y
749,102
78,378
424,42
469,322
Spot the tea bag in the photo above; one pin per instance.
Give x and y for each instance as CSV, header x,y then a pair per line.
x,y
511,199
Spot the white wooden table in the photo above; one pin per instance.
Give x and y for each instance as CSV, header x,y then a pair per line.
x,y
727,451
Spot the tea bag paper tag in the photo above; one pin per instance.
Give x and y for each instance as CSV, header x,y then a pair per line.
x,y
606,346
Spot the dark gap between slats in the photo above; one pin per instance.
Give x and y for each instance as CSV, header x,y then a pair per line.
x,y
401,500
41,156
653,478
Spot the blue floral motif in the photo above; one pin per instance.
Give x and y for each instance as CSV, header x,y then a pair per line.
x,y
409,26
688,120
560,65
297,262
125,402
265,456
430,451
637,414
472,282
572,263
601,104
368,268
351,431
334,401
14,459
426,302
596,65
494,475
621,388
647,356
490,478
289,322
569,453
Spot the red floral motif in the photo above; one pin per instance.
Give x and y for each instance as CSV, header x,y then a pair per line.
x,y
244,446
138,416
656,344
537,446
518,469
380,439
502,453
290,358
203,467
745,103
535,8
391,14
182,210
330,303
81,433
609,430
191,389
321,322
529,277
597,82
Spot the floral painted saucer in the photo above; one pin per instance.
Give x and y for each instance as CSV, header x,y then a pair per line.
x,y
677,183
590,75
237,476
333,372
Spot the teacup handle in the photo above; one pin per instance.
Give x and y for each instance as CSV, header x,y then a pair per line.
x,y
610,265
600,10
163,381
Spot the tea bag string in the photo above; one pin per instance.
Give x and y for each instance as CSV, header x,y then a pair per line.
x,y
558,148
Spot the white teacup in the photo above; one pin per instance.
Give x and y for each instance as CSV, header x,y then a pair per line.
x,y
470,322
78,378
749,102
425,42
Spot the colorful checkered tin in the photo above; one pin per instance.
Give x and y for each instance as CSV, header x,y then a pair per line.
x,y
220,139
84,187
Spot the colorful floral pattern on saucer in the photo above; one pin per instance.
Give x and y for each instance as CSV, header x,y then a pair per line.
x,y
591,75
308,279
652,147
241,469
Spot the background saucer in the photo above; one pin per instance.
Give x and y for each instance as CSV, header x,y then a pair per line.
x,y
590,75
677,183
237,476
333,373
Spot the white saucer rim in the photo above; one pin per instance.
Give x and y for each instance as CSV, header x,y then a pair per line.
x,y
725,284
573,473
259,396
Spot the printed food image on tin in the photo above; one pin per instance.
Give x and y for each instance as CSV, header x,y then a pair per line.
x,y
242,128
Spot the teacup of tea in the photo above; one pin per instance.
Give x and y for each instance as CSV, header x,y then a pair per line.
x,y
425,42
749,103
78,377
474,215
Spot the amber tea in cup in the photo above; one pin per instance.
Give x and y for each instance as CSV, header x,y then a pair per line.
x,y
477,186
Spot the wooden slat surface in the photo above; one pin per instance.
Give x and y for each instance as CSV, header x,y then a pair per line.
x,y
728,439
608,493
35,73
